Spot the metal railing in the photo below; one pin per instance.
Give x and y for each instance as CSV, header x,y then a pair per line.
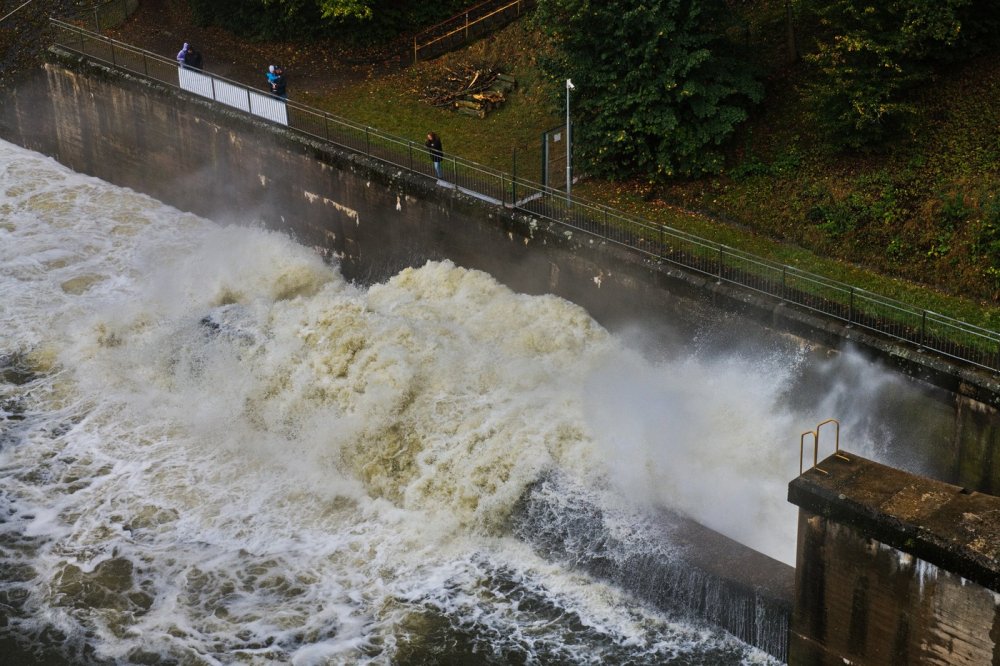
x,y
104,15
894,319
473,22
815,438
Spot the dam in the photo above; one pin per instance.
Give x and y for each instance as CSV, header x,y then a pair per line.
x,y
596,406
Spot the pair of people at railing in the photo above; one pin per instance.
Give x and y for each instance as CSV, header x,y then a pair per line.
x,y
276,81
189,57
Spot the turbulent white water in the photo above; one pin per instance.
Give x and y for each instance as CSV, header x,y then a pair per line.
x,y
214,448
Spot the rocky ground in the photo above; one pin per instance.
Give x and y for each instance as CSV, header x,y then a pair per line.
x,y
24,34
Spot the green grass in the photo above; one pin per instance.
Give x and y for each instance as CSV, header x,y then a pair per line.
x,y
394,104
777,179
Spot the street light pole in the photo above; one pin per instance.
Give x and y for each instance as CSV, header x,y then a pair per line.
x,y
569,163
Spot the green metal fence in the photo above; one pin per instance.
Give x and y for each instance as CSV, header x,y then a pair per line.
x,y
658,243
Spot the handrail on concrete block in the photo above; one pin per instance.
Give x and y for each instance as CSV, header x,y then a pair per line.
x,y
815,434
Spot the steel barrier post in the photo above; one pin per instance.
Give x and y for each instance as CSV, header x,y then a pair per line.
x,y
513,180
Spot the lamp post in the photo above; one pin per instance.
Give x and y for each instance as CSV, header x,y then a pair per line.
x,y
569,163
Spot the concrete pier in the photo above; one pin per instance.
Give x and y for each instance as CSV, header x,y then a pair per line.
x,y
893,568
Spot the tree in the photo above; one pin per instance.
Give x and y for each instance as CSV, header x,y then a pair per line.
x,y
659,88
360,20
329,9
874,54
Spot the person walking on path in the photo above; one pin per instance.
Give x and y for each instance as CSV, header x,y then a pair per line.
x,y
433,144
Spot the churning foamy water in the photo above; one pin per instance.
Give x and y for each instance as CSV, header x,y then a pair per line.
x,y
214,449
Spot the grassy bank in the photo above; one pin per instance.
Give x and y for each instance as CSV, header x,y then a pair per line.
x,y
910,223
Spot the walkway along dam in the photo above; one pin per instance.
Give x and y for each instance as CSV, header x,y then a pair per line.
x,y
377,219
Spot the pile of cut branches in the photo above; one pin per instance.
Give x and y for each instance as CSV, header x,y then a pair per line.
x,y
470,90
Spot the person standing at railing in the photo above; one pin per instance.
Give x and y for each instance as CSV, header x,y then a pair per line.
x,y
193,58
279,84
276,81
182,55
433,145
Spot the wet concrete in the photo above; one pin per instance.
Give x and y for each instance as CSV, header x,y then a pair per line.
x,y
893,568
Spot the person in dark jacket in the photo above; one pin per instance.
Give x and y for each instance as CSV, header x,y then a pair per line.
x,y
433,145
193,57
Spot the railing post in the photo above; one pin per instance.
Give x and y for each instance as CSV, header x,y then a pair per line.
x,y
414,49
454,171
326,125
850,308
368,142
513,180
923,326
466,26
411,155
720,263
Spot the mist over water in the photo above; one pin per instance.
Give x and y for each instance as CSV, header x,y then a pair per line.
x,y
214,447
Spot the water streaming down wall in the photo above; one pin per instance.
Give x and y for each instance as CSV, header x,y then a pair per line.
x,y
670,561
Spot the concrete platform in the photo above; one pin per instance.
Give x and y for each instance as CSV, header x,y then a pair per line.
x,y
893,568
942,524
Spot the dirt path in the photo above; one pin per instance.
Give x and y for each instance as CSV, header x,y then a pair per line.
x,y
162,27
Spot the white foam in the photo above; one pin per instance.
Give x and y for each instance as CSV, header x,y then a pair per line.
x,y
295,468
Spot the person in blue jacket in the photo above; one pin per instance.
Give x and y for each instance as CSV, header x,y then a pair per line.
x,y
182,55
278,84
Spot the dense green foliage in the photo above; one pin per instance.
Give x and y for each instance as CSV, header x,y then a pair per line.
x,y
872,56
356,20
659,85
